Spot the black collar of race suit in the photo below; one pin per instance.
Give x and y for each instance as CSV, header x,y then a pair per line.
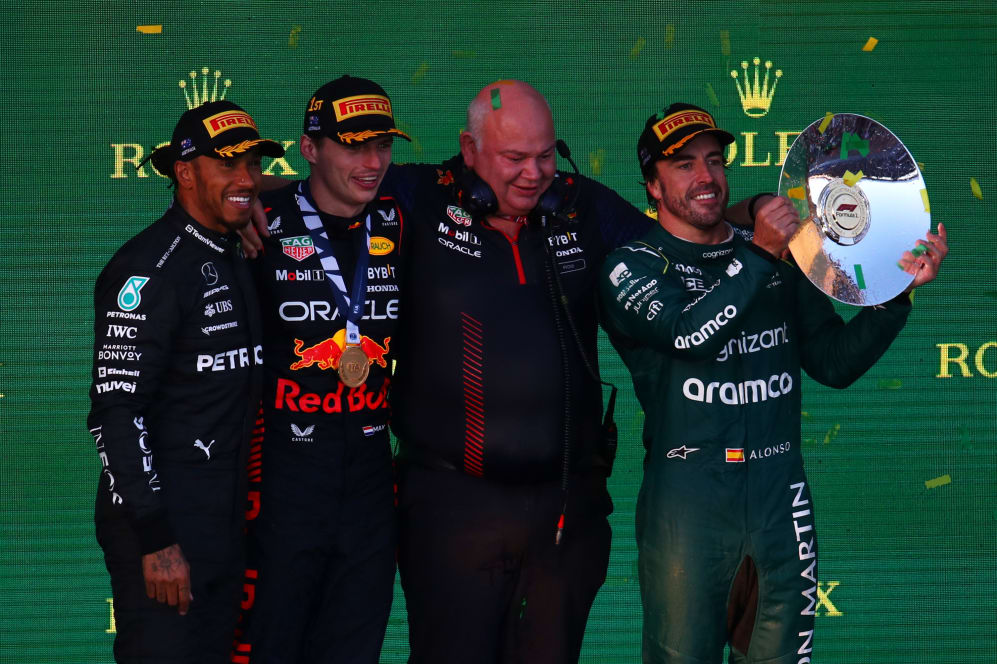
x,y
692,250
214,241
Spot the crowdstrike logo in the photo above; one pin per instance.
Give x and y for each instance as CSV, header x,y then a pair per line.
x,y
738,394
708,328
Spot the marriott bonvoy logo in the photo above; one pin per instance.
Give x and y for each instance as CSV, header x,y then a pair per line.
x,y
210,86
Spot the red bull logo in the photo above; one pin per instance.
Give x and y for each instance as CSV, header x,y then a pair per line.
x,y
326,353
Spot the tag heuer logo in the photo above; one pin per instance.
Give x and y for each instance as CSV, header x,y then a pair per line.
x,y
299,248
458,215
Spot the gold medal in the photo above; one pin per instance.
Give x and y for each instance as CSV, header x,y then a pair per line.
x,y
354,365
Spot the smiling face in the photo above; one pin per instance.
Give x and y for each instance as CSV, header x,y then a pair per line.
x,y
219,193
513,149
345,178
691,191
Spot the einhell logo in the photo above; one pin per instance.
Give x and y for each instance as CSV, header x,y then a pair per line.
x,y
756,98
128,155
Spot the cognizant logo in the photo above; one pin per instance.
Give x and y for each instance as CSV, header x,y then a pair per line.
x,y
737,394
708,328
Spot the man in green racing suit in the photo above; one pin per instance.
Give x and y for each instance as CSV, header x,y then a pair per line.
x,y
715,328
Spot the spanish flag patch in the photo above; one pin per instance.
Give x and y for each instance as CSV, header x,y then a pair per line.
x,y
735,455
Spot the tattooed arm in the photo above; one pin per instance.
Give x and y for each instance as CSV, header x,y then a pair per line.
x,y
167,577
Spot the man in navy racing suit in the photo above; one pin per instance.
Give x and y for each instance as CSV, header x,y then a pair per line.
x,y
321,563
714,329
176,381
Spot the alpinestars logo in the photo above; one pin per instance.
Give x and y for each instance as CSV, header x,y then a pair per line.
x,y
299,435
681,452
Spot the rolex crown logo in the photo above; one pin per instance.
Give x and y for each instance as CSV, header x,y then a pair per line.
x,y
193,98
756,98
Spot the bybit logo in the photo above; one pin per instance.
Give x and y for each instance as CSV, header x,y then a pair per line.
x,y
133,152
756,98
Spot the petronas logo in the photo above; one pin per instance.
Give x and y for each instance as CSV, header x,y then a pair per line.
x,y
755,93
195,97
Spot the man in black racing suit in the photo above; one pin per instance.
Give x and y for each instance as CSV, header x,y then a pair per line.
x,y
321,563
492,402
176,381
715,329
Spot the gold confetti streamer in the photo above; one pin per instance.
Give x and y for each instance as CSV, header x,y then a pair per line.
x,y
975,186
149,29
825,122
871,44
938,481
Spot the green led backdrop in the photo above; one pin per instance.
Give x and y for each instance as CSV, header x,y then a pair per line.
x,y
901,464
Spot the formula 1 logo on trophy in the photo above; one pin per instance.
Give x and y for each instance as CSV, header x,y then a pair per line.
x,y
862,201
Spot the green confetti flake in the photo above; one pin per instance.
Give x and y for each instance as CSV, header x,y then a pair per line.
x,y
859,279
712,94
596,160
832,433
890,384
420,73
496,99
850,141
975,186
292,39
637,48
669,35
725,42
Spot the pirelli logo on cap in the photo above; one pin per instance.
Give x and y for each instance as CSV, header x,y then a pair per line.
x,y
735,455
349,107
676,120
226,120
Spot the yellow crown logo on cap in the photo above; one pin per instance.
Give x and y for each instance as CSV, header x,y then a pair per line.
x,y
193,98
756,98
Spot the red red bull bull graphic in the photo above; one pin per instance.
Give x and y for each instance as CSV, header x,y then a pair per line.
x,y
290,397
327,353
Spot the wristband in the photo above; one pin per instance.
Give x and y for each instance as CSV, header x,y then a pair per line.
x,y
754,201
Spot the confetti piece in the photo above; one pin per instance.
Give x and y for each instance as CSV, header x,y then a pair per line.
x,y
804,413
918,250
651,212
725,42
797,192
871,44
420,73
596,159
832,433
466,55
851,178
890,384
975,186
938,481
149,29
920,164
496,99
924,199
850,141
292,39
712,94
669,35
637,48
825,122
859,279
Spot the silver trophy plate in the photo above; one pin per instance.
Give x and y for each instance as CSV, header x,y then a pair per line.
x,y
859,194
